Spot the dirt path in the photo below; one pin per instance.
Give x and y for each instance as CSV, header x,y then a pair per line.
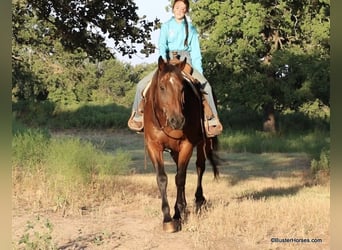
x,y
129,229
105,226
108,226
134,221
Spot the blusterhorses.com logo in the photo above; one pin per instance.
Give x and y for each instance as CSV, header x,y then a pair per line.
x,y
295,240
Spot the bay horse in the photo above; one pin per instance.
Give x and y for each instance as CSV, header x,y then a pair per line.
x,y
173,122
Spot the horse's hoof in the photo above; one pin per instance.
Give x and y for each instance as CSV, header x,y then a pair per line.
x,y
172,226
201,205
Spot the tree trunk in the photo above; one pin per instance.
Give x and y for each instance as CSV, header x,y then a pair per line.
x,y
269,122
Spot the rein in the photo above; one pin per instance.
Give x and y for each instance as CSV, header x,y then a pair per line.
x,y
191,81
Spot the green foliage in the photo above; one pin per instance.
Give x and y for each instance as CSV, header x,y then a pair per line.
x,y
116,81
119,166
34,114
38,235
90,116
17,126
29,149
259,142
86,24
44,70
322,163
241,118
67,160
307,79
71,160
315,109
246,44
312,116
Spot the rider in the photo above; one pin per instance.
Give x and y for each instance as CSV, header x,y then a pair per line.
x,y
179,36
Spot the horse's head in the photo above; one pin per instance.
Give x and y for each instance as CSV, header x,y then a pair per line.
x,y
169,93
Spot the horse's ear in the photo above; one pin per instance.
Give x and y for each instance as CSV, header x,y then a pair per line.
x,y
161,63
182,64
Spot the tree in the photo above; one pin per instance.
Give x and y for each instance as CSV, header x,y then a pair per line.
x,y
114,81
31,43
57,45
89,24
268,55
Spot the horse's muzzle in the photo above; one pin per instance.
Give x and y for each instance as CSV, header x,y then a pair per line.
x,y
176,121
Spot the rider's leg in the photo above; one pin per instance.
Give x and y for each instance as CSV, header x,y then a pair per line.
x,y
139,92
207,90
212,120
135,122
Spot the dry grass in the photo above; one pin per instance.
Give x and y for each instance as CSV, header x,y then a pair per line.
x,y
257,198
243,216
250,214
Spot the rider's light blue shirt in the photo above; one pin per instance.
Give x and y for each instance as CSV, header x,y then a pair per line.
x,y
171,38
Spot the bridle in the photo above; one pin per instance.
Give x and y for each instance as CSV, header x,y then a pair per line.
x,y
176,133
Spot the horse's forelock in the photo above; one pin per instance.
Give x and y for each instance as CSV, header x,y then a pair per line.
x,y
169,69
160,72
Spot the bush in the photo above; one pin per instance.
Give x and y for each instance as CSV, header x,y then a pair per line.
x,y
72,160
117,166
294,121
321,164
29,149
67,160
35,114
241,118
316,109
89,115
63,167
258,142
311,116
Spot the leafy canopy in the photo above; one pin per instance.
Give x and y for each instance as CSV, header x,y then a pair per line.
x,y
248,45
88,24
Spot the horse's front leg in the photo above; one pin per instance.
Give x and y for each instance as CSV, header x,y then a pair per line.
x,y
156,157
182,160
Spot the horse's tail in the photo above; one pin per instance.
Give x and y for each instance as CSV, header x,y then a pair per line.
x,y
213,156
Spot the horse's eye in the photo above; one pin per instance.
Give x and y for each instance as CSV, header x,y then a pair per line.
x,y
162,87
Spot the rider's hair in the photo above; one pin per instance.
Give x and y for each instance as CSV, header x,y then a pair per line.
x,y
187,4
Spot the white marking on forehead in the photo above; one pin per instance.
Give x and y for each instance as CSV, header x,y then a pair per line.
x,y
172,79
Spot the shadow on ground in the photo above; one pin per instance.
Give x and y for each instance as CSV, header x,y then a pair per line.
x,y
270,192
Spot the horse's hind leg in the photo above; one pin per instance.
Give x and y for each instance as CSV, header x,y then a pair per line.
x,y
200,166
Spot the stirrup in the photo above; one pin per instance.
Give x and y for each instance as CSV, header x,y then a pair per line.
x,y
137,126
213,127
